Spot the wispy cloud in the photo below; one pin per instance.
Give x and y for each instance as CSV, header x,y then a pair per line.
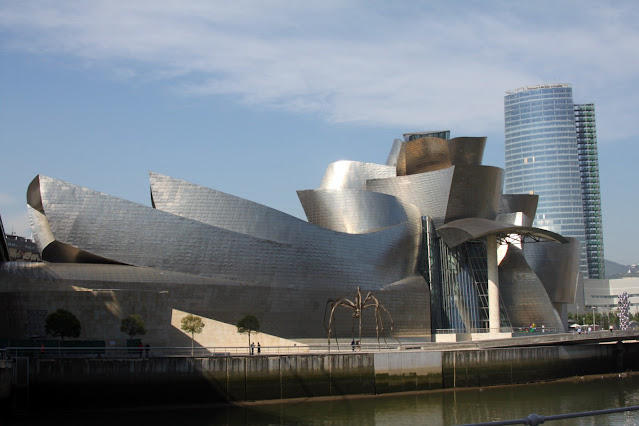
x,y
409,65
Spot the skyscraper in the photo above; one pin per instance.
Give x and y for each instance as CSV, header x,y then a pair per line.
x,y
548,154
589,167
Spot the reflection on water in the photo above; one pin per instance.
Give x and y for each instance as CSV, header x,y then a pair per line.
x,y
433,408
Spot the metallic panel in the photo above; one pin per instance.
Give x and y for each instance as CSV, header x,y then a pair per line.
x,y
523,293
126,232
525,203
356,212
557,266
223,210
467,151
447,194
428,191
394,153
353,174
39,227
475,192
401,160
426,155
460,231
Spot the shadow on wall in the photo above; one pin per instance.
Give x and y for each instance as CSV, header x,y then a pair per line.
x,y
220,334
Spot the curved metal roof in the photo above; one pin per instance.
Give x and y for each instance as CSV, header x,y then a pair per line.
x,y
459,231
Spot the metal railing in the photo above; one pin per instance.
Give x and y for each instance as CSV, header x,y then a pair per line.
x,y
536,419
523,330
187,351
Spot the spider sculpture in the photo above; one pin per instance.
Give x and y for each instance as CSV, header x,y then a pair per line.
x,y
358,306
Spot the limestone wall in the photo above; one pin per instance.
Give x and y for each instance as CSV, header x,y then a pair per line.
x,y
219,334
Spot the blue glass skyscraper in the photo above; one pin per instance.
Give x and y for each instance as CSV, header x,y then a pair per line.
x,y
542,157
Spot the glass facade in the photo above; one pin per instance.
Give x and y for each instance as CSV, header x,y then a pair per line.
x,y
458,280
442,134
589,167
542,157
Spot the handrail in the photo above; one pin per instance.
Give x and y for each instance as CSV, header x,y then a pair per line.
x,y
187,351
536,419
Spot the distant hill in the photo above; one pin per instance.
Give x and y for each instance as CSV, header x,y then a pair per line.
x,y
617,270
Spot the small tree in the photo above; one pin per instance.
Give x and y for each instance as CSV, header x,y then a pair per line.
x,y
192,324
133,325
247,324
62,323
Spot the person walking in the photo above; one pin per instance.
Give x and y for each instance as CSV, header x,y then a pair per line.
x,y
252,348
353,345
259,348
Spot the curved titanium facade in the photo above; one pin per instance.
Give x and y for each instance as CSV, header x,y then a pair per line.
x,y
426,155
524,203
556,265
87,220
525,297
413,233
356,212
222,210
464,230
467,151
353,174
448,194
542,157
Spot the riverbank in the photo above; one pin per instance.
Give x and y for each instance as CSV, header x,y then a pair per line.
x,y
98,383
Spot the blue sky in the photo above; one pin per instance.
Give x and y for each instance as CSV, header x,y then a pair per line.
x,y
257,98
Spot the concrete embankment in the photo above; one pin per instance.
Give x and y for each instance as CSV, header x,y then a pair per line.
x,y
108,382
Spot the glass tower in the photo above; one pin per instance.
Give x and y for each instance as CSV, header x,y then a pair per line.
x,y
542,157
589,166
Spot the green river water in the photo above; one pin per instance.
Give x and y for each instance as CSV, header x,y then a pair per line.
x,y
449,407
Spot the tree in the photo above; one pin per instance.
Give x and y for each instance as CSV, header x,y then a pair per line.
x,y
133,326
192,324
247,324
62,323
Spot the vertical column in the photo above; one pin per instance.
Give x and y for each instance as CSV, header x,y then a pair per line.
x,y
493,284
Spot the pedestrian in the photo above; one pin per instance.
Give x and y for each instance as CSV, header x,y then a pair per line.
x,y
252,348
259,348
147,348
611,328
353,345
543,328
589,330
140,349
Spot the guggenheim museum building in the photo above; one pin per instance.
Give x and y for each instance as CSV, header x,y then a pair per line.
x,y
430,234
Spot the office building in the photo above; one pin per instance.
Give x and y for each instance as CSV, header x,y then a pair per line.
x,y
589,168
551,152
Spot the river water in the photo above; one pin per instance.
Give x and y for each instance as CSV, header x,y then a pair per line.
x,y
449,407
